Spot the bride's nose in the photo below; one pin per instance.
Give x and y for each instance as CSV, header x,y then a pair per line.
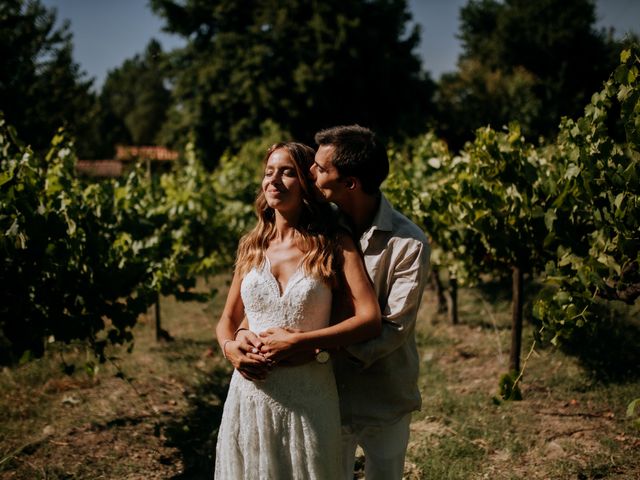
x,y
276,179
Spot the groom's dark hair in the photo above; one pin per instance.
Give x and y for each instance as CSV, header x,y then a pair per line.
x,y
358,153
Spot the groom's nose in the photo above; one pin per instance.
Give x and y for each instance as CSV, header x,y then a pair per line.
x,y
312,171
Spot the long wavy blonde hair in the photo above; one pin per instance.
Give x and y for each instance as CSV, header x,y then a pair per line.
x,y
315,233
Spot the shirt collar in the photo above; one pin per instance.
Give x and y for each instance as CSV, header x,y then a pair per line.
x,y
381,221
383,217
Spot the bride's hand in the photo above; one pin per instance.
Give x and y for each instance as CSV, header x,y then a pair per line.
x,y
246,336
247,359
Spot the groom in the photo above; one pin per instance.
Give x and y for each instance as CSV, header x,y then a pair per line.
x,y
377,379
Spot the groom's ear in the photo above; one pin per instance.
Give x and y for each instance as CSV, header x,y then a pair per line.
x,y
351,182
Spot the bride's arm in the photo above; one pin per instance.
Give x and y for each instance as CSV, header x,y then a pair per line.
x,y
239,351
363,324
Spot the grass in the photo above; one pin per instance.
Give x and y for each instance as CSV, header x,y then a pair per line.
x,y
149,414
568,425
161,420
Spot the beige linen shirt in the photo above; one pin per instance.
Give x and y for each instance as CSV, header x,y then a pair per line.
x,y
378,379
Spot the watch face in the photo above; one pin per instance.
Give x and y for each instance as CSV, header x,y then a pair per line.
x,y
322,356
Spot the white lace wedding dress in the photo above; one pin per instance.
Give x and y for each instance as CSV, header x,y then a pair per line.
x,y
287,426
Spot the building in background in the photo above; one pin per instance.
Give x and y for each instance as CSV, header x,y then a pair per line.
x,y
156,159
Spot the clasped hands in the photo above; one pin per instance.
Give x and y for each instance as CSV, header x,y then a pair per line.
x,y
255,355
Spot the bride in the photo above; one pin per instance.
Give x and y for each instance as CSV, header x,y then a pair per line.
x,y
286,424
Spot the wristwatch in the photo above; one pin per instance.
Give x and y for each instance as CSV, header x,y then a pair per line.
x,y
322,356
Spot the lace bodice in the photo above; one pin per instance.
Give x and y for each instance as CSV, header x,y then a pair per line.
x,y
305,302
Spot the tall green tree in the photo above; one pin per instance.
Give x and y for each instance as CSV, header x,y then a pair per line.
x,y
548,53
305,65
135,99
41,87
478,95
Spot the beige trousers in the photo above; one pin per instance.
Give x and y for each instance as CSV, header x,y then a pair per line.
x,y
384,449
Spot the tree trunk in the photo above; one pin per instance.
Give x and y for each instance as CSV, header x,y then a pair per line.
x,y
158,324
516,319
436,284
161,333
452,301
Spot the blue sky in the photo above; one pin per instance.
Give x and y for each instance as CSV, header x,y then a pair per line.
x,y
106,32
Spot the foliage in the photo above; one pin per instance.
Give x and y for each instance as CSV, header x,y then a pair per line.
x,y
304,65
508,388
41,87
567,210
191,222
63,270
594,213
483,207
495,183
83,261
478,95
486,211
632,411
532,62
134,99
419,186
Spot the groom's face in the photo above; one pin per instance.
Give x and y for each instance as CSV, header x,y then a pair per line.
x,y
326,176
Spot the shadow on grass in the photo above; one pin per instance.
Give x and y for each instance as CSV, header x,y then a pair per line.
x,y
195,434
609,348
495,289
181,349
610,353
488,304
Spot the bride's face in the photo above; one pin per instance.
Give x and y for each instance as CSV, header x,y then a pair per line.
x,y
280,184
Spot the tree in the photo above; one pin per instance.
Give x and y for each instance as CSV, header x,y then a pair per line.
x,y
551,44
476,95
41,87
305,65
135,99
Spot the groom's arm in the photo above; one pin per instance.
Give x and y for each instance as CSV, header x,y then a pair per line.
x,y
401,309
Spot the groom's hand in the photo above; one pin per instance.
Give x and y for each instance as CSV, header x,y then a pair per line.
x,y
279,344
299,358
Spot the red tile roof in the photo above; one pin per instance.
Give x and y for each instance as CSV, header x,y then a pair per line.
x,y
124,152
99,168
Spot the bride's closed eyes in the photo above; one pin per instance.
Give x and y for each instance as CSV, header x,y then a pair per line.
x,y
287,172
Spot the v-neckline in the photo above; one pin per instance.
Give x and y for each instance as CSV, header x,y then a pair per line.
x,y
280,289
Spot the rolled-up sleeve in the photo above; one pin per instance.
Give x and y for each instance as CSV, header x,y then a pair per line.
x,y
408,273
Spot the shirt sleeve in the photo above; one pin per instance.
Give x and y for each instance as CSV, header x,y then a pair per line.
x,y
399,315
